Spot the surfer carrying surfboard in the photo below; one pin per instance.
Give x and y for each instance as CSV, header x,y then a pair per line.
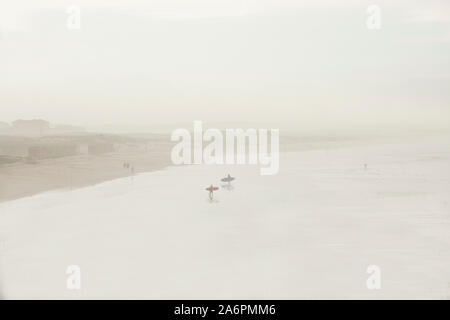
x,y
228,179
211,190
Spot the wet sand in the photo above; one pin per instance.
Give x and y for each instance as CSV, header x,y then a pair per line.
x,y
309,232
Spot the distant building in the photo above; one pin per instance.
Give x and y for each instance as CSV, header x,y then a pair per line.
x,y
100,148
14,146
65,129
94,145
45,147
14,150
36,127
52,150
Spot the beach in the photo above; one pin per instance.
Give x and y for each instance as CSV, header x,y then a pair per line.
x,y
21,179
311,231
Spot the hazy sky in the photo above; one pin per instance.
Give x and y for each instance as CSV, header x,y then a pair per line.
x,y
298,63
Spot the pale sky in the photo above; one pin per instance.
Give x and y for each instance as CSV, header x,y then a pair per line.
x,y
289,62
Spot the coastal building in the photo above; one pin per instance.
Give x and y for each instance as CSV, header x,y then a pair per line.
x,y
100,148
54,150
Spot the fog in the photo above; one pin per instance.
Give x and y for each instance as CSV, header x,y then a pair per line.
x,y
364,184
293,65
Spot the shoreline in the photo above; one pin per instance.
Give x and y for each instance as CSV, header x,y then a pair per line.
x,y
20,180
324,206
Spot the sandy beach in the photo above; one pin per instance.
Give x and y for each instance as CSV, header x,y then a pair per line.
x,y
309,232
225,150
20,179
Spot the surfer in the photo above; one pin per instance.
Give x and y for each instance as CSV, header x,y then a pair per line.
x,y
228,179
211,190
